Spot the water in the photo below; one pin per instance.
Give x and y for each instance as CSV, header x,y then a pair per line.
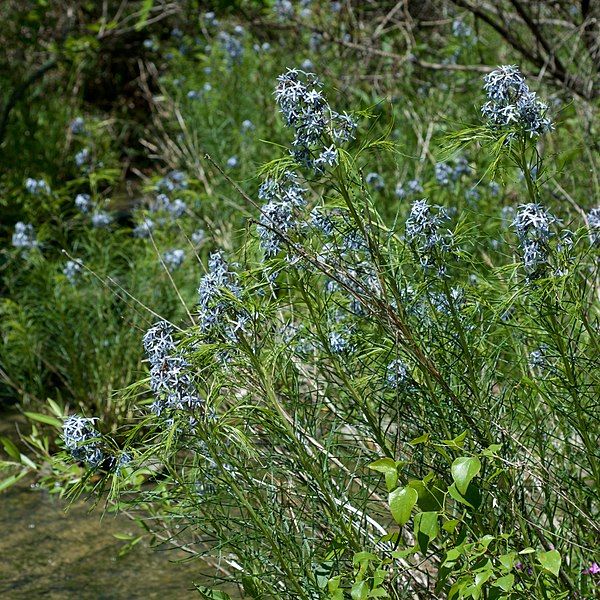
x,y
48,553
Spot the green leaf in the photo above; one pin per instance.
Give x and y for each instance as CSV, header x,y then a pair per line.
x,y
389,468
505,583
454,493
208,594
423,439
334,583
55,408
431,494
426,529
378,593
550,561
361,557
464,469
450,525
10,448
401,503
400,554
359,590
6,483
457,442
44,419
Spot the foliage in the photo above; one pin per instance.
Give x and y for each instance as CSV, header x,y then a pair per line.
x,y
360,364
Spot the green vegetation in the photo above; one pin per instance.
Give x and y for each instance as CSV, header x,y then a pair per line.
x,y
335,335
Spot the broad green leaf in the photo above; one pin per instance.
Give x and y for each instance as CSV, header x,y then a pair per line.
x,y
44,419
359,590
505,583
334,583
361,557
402,501
464,468
426,529
454,493
400,554
450,525
389,468
550,561
378,593
431,494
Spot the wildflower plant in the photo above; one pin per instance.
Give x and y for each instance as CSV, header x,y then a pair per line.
x,y
348,407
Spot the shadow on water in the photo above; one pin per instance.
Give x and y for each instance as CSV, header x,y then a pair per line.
x,y
46,552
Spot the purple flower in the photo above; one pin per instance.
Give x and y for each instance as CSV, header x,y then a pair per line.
x,y
593,569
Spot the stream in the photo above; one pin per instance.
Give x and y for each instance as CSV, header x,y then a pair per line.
x,y
48,552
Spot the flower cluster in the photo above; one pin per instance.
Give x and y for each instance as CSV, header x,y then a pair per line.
x,y
101,219
397,376
72,270
37,186
174,180
317,127
82,440
445,173
174,208
170,379
143,229
232,45
83,157
532,224
423,229
77,126
173,258
24,236
461,29
213,291
593,218
413,186
375,180
283,199
83,203
511,103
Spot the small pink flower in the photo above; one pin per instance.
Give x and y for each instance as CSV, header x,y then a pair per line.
x,y
593,569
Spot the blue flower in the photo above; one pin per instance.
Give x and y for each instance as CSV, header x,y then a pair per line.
x,y
511,104
375,180
593,218
37,186
72,270
101,219
173,258
316,125
24,236
77,126
443,173
82,440
82,157
83,202
284,198
532,225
